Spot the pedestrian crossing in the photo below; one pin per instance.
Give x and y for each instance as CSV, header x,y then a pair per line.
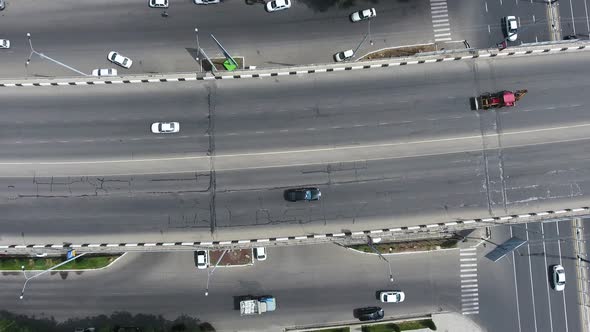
x,y
440,20
469,286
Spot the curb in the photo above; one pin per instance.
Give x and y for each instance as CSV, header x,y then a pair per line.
x,y
439,227
325,68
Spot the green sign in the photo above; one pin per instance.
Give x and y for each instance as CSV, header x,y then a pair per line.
x,y
229,65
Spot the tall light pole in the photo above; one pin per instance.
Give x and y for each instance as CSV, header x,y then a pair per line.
x,y
22,293
209,274
370,244
198,50
43,56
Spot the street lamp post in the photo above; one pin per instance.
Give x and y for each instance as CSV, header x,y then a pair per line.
x,y
370,243
198,50
43,56
209,274
22,293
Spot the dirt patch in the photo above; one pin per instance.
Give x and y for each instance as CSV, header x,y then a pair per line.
x,y
407,246
399,52
231,257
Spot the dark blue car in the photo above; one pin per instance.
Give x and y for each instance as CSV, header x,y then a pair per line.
x,y
303,194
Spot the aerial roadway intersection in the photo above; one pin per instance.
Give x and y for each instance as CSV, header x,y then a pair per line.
x,y
291,165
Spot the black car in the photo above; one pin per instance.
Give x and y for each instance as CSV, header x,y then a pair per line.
x,y
369,313
303,194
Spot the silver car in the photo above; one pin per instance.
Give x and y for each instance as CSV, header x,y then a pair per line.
x,y
165,127
158,3
104,72
392,296
4,43
2,4
362,15
120,60
558,279
206,2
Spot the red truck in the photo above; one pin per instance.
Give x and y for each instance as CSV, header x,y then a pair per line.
x,y
498,99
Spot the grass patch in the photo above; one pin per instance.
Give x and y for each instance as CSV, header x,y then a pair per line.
x,y
35,263
402,326
418,245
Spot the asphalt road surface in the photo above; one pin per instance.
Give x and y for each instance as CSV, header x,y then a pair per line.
x,y
82,33
518,287
312,284
388,148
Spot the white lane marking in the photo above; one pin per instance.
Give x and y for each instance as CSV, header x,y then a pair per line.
x,y
441,21
469,286
440,16
441,30
547,269
468,280
467,259
587,20
573,19
516,287
474,290
487,8
531,275
438,25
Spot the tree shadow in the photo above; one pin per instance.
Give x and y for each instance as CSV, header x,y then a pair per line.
x,y
116,322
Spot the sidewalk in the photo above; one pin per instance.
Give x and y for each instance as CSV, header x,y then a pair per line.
x,y
445,322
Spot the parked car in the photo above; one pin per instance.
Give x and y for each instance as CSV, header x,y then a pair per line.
x,y
260,253
206,2
4,43
392,296
344,55
165,127
120,60
558,279
202,259
362,15
369,313
510,27
2,4
158,3
303,194
276,5
104,72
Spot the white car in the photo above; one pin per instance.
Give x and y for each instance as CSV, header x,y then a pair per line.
x,y
362,15
202,259
158,3
165,127
104,72
276,5
260,253
120,60
4,43
393,296
206,2
558,278
344,55
510,27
